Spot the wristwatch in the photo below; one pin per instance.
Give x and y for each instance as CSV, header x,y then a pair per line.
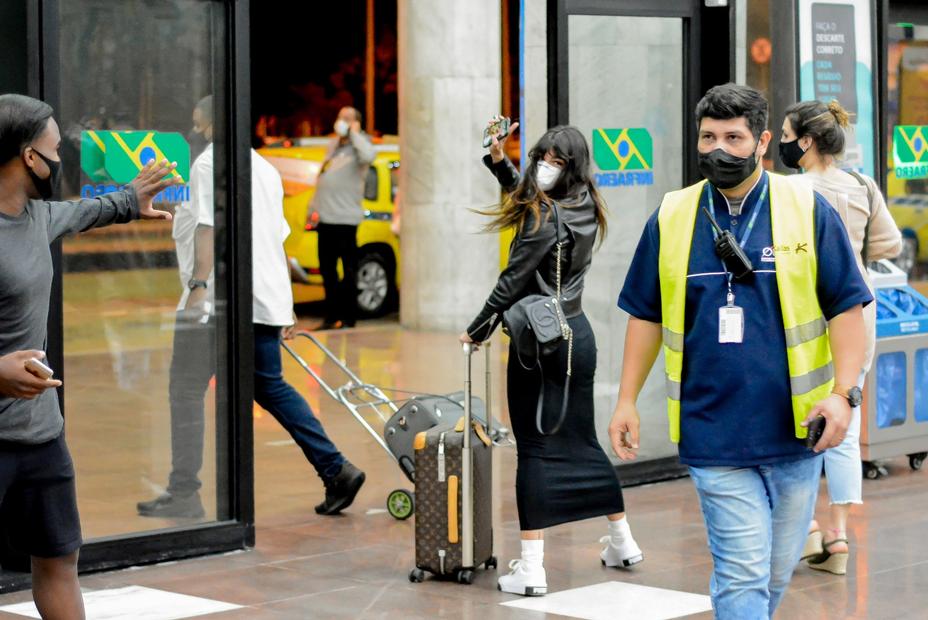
x,y
194,284
853,394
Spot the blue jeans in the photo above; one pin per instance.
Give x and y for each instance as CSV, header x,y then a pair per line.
x,y
283,402
757,519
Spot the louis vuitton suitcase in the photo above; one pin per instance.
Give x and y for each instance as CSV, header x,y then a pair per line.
x,y
454,516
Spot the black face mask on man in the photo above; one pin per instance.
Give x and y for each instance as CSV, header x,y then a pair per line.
x,y
791,153
197,142
49,185
725,170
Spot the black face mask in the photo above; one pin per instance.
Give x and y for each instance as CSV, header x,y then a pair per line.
x,y
791,153
197,142
725,170
49,185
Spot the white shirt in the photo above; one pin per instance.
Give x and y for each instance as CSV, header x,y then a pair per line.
x,y
188,215
272,295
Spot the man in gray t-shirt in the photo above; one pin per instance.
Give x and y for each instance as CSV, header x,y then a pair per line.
x,y
37,491
339,192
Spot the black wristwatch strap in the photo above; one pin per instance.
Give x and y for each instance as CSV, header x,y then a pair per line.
x,y
195,284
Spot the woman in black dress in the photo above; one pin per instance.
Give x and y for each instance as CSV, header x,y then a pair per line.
x,y
565,476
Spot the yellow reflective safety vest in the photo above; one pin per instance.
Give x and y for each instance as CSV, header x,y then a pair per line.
x,y
808,351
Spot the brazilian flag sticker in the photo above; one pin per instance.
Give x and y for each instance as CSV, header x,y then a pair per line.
x,y
910,151
118,156
623,149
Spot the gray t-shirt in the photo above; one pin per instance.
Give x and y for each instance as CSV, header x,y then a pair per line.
x,y
340,187
25,287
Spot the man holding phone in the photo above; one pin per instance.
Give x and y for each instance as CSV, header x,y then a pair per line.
x,y
758,341
339,192
37,492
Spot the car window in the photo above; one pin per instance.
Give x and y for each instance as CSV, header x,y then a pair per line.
x,y
370,184
394,180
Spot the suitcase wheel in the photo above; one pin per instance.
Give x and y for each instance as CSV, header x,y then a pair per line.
x,y
491,564
416,575
400,504
466,576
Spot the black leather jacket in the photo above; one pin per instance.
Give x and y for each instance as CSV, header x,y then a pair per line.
x,y
532,264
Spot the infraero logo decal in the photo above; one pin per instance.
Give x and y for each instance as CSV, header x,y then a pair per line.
x,y
111,159
910,151
625,156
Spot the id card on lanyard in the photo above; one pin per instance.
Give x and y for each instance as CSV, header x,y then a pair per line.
x,y
731,317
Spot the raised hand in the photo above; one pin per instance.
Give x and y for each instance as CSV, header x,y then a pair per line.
x,y
154,178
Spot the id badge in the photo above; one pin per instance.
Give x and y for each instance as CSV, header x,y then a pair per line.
x,y
731,325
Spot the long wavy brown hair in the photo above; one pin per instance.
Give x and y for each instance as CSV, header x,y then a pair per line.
x,y
566,143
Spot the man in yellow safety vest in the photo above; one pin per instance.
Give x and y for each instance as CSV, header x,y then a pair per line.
x,y
749,281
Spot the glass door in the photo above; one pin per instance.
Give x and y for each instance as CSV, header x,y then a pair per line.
x,y
626,86
157,382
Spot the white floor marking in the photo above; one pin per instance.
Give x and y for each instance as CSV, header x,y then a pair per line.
x,y
137,603
613,599
281,442
375,511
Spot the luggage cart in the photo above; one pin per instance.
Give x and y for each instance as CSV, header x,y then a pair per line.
x,y
402,419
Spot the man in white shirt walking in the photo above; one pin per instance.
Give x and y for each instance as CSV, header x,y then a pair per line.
x,y
272,318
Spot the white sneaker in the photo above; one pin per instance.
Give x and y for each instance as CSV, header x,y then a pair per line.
x,y
627,554
524,579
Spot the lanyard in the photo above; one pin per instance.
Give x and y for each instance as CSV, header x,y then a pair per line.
x,y
758,205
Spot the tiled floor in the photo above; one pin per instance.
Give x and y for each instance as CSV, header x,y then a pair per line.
x,y
356,565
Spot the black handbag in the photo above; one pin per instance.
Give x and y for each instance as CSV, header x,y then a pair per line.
x,y
537,326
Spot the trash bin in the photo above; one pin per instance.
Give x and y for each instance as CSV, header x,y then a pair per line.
x,y
894,413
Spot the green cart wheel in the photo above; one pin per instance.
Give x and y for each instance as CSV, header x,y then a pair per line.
x,y
400,504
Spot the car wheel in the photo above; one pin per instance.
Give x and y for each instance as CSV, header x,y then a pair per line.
x,y
908,257
376,284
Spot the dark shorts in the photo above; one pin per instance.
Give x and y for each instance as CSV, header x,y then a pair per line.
x,y
38,501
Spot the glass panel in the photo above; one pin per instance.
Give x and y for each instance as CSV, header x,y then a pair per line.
x,y
637,141
906,134
127,97
921,385
890,389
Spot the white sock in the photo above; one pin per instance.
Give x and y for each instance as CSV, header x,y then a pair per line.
x,y
619,532
533,552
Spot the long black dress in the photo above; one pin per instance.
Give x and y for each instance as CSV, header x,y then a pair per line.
x,y
566,476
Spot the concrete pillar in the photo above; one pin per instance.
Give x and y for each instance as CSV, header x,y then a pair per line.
x,y
449,86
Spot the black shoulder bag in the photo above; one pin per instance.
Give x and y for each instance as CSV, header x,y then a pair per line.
x,y
537,326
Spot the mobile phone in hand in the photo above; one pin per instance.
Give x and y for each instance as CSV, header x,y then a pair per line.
x,y
39,369
816,429
501,125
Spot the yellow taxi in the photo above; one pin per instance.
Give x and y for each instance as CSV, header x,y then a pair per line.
x,y
299,162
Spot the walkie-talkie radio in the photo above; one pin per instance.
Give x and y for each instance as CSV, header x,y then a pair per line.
x,y
730,251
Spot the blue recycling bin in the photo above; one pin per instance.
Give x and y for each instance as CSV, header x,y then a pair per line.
x,y
895,410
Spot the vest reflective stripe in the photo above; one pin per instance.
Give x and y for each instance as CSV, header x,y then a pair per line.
x,y
806,332
793,227
673,340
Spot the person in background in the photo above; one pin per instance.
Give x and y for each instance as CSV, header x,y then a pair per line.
x,y
37,491
812,139
563,475
194,360
339,192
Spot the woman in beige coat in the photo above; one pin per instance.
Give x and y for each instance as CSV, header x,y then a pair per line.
x,y
812,139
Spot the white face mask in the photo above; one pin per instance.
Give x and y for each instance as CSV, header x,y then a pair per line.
x,y
547,175
342,127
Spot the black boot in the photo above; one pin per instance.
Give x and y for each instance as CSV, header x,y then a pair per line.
x,y
340,490
170,505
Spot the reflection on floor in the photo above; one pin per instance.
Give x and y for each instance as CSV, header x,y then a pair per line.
x,y
356,565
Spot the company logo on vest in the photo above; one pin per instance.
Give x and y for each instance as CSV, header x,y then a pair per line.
x,y
111,159
910,151
629,152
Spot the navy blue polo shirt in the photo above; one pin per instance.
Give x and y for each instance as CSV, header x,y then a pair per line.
x,y
735,398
